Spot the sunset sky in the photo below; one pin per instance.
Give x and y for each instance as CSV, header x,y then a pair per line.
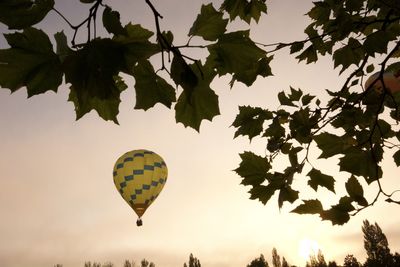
x,y
58,203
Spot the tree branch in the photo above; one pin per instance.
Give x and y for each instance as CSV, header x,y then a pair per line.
x,y
92,15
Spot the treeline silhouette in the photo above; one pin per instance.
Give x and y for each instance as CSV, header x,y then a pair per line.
x,y
375,244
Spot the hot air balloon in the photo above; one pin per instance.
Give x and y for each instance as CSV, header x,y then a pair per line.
x,y
139,176
391,80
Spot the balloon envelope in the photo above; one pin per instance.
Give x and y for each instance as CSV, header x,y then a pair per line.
x,y
391,80
139,176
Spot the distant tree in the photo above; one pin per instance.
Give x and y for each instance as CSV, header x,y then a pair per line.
x,y
376,246
276,259
144,263
193,262
90,264
396,260
108,264
58,265
317,261
284,262
128,263
332,264
258,262
351,261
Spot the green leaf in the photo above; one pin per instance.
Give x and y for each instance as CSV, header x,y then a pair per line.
x,y
296,47
209,24
250,121
339,214
349,118
352,53
237,54
202,103
106,108
355,191
246,10
135,45
301,124
354,5
329,144
360,163
30,62
287,194
286,148
336,216
262,192
295,95
385,130
309,54
312,206
275,129
253,168
284,99
376,42
317,178
306,99
370,68
396,157
293,159
151,88
166,40
345,204
93,74
111,21
183,74
20,14
354,82
63,50
320,12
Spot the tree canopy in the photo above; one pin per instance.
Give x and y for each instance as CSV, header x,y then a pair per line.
x,y
357,126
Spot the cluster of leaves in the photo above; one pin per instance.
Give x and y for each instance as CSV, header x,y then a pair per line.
x,y
93,69
355,127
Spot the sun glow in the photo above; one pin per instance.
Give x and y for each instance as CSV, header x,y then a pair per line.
x,y
308,247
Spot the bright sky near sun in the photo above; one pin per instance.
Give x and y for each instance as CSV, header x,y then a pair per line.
x,y
58,203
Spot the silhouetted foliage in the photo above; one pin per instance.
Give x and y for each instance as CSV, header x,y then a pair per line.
x,y
284,262
351,261
396,259
128,263
355,125
258,262
145,263
276,259
376,246
90,264
193,262
317,261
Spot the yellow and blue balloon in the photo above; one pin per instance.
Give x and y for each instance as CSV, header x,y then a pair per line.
x,y
139,176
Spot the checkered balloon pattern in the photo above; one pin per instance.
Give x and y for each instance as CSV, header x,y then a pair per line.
x,y
139,176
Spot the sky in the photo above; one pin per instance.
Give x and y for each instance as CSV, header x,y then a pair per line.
x,y
58,203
